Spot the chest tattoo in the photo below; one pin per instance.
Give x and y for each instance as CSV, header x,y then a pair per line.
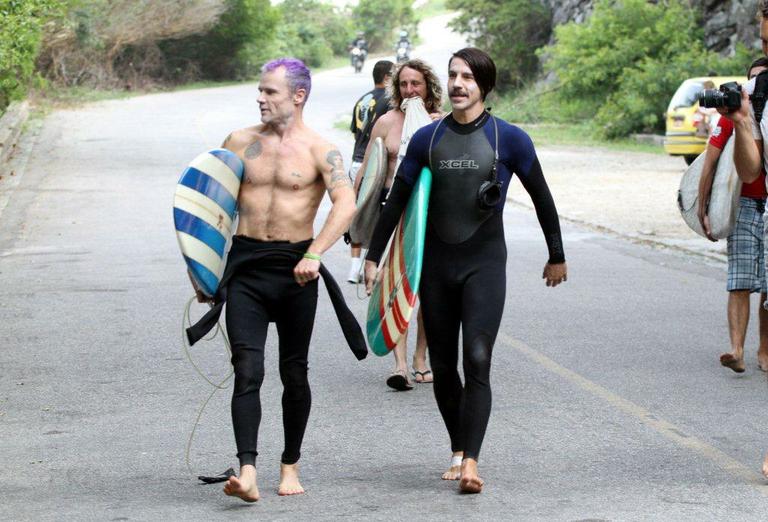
x,y
254,150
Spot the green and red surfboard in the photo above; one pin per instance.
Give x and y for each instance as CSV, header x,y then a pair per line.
x,y
394,296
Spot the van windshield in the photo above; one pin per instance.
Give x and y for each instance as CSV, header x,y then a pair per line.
x,y
686,94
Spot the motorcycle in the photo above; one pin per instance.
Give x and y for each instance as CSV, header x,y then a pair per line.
x,y
403,53
357,57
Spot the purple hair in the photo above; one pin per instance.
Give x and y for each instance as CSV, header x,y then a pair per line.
x,y
296,73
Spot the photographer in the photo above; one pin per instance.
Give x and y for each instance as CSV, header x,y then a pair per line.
x,y
749,154
746,266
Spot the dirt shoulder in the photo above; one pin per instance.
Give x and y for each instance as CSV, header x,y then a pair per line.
x,y
631,194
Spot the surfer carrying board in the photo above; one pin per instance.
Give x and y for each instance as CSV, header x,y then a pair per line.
x,y
411,79
274,263
472,156
746,263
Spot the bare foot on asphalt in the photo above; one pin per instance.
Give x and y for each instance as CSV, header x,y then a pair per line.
x,y
243,487
470,481
765,466
289,480
762,360
731,361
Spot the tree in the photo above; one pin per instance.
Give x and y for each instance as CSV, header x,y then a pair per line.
x,y
624,63
509,30
21,24
378,19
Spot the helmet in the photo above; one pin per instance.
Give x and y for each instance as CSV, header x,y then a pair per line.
x,y
360,34
403,34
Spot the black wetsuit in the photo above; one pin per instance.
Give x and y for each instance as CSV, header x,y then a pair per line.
x,y
463,278
258,287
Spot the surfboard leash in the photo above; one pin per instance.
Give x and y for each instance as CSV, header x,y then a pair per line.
x,y
187,322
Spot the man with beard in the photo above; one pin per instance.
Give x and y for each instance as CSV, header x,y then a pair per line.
x,y
411,79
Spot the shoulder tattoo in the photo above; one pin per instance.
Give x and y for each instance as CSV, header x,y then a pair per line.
x,y
338,177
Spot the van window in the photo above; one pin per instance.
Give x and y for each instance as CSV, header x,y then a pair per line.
x,y
686,94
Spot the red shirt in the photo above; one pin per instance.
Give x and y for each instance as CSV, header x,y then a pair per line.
x,y
719,137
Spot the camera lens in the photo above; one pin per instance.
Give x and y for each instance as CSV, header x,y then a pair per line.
x,y
712,99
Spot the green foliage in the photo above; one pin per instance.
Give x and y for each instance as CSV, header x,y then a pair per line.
x,y
625,62
312,31
509,30
379,19
233,48
21,27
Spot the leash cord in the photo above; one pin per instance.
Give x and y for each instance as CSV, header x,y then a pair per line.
x,y
187,322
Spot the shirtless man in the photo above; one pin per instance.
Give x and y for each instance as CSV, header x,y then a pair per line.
x,y
288,168
413,78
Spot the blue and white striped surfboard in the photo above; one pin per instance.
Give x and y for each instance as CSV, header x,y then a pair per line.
x,y
204,209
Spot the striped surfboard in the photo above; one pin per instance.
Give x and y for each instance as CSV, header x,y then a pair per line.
x,y
394,296
204,208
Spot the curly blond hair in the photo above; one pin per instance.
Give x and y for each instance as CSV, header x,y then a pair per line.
x,y
434,100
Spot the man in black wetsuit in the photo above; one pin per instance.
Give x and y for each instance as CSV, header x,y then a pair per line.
x,y
274,264
472,156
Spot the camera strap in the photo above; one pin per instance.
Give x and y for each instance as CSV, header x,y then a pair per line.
x,y
760,95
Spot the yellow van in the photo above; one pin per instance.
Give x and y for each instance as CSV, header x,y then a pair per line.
x,y
684,136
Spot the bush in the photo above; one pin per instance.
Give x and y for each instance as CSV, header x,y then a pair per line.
x,y
312,31
509,30
231,48
21,24
103,42
379,19
625,62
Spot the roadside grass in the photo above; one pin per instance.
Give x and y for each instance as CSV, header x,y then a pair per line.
x,y
545,118
48,98
581,135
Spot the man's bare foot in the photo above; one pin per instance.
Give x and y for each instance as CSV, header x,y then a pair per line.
x,y
765,466
289,480
731,361
244,486
470,481
454,471
762,360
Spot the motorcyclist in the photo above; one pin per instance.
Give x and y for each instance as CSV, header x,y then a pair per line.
x,y
403,48
358,51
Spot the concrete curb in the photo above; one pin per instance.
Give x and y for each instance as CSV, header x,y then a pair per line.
x,y
11,124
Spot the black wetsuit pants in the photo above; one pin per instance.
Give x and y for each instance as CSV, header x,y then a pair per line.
x,y
257,296
464,285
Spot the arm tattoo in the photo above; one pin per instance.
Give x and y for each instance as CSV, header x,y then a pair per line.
x,y
338,177
226,140
253,150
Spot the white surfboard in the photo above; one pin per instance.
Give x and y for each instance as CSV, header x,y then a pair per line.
x,y
724,198
204,207
369,195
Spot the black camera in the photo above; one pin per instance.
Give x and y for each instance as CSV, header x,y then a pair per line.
x,y
728,96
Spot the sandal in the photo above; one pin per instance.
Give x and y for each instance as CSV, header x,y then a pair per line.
x,y
416,374
398,381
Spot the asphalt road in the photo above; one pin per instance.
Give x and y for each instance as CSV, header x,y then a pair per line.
x,y
609,403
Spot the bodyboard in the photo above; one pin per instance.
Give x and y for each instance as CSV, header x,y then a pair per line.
x,y
369,195
723,200
204,207
394,296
